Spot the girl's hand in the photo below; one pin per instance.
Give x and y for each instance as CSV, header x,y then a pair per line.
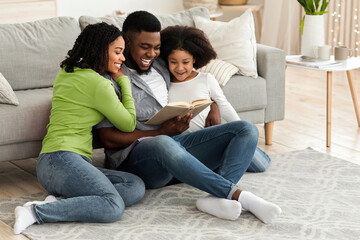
x,y
176,125
118,74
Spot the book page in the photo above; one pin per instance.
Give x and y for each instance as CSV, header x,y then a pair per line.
x,y
174,109
200,102
180,104
166,113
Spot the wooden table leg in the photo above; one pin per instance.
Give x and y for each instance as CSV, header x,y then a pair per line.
x,y
354,96
328,107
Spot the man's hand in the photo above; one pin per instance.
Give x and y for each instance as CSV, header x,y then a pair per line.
x,y
176,125
213,117
118,74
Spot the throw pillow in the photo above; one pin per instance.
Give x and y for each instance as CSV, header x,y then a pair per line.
x,y
7,95
233,41
221,70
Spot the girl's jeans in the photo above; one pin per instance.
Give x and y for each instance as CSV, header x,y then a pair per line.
x,y
90,194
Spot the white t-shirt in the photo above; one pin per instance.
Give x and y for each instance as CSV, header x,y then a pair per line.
x,y
204,85
157,84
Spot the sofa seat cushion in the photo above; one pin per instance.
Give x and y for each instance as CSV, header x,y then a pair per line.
x,y
26,122
246,93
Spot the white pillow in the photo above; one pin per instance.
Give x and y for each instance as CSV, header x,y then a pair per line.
x,y
7,95
221,70
233,41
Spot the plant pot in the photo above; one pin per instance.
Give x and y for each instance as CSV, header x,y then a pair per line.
x,y
232,2
313,35
211,5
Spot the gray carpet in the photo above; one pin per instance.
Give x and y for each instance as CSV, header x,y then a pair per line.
x,y
319,196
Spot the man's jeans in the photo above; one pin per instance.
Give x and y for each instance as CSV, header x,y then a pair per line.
x,y
212,159
91,194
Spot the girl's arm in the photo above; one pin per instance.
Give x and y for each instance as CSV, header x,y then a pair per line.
x,y
227,111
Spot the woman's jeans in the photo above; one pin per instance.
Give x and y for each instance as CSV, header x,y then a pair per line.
x,y
90,194
212,159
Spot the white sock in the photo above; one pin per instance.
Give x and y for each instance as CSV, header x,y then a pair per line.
x,y
262,209
48,199
23,218
219,207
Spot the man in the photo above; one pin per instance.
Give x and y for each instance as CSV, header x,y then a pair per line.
x,y
213,159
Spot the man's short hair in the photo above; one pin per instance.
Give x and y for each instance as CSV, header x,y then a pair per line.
x,y
141,21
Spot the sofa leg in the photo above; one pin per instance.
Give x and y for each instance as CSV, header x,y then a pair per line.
x,y
269,129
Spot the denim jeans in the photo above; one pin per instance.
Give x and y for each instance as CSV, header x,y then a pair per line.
x,y
212,159
90,194
260,162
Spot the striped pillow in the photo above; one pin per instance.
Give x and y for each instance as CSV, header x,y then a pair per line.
x,y
7,95
221,70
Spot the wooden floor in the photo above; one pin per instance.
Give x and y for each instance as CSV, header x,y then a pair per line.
x,y
304,126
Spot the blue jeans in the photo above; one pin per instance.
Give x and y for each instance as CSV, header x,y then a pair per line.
x,y
260,162
91,194
212,159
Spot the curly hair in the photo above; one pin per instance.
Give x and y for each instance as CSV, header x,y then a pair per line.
x,y
90,49
190,39
141,21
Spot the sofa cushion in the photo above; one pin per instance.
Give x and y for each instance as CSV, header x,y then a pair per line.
x,y
179,18
7,95
233,41
26,122
246,93
30,53
221,70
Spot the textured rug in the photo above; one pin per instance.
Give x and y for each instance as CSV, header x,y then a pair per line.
x,y
319,196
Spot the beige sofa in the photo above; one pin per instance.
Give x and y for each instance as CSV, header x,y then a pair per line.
x,y
30,54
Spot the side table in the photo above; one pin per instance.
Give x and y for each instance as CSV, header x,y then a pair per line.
x,y
347,66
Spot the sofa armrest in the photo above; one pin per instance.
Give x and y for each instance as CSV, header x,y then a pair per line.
x,y
271,66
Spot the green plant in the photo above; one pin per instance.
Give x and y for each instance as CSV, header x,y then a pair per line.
x,y
313,7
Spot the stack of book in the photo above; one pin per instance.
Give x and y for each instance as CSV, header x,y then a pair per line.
x,y
312,62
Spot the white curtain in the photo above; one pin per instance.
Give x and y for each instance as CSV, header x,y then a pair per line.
x,y
282,19
281,25
342,24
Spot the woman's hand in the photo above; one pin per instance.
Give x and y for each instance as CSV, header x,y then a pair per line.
x,y
176,125
118,74
213,117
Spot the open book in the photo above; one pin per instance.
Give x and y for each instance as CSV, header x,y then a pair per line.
x,y
311,62
175,109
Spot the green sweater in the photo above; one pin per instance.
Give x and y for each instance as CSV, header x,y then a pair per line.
x,y
80,100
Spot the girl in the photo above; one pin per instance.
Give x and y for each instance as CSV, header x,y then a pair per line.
x,y
185,48
81,99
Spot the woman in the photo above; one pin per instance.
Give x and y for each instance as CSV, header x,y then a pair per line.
x,y
81,99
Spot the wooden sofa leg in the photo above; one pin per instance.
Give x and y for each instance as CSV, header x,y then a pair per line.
x,y
269,129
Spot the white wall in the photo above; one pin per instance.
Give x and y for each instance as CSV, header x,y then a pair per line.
x,y
228,15
99,8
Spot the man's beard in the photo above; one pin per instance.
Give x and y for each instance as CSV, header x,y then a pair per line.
x,y
136,66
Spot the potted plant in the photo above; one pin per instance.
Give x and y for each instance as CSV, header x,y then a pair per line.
x,y
312,7
312,27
